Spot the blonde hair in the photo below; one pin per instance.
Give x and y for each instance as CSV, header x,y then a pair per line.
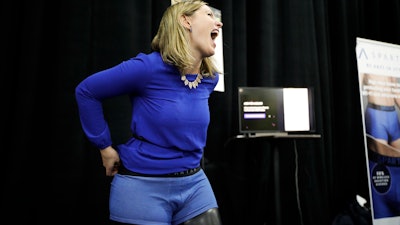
x,y
172,38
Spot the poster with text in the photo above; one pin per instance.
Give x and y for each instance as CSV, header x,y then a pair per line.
x,y
378,66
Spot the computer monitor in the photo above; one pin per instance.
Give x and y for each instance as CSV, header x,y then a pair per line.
x,y
276,110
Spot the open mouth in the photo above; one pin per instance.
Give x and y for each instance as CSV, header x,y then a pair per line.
x,y
214,34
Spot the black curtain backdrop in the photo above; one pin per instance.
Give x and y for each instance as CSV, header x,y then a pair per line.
x,y
52,175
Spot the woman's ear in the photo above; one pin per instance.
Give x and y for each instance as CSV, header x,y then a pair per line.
x,y
185,21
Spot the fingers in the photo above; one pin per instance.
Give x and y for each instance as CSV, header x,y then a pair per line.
x,y
112,170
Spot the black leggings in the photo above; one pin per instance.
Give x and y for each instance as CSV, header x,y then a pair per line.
x,y
210,217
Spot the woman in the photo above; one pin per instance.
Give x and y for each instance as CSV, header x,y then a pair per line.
x,y
157,178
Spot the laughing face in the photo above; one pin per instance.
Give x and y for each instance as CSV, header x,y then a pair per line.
x,y
204,30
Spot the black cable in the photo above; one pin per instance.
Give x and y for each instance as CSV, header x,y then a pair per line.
x,y
297,180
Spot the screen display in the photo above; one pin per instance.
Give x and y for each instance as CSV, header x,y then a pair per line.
x,y
275,109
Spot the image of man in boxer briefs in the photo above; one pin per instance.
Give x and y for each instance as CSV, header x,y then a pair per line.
x,y
383,141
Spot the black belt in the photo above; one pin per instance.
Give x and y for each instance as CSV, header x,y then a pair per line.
x,y
382,107
124,171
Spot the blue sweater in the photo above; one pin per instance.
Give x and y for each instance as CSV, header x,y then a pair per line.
x,y
172,119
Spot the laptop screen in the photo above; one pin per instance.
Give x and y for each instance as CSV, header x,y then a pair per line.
x,y
276,109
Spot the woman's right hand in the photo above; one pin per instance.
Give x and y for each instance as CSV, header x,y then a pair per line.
x,y
111,160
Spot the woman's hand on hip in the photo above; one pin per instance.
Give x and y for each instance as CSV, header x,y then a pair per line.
x,y
111,160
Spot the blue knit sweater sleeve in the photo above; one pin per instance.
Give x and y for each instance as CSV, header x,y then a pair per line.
x,y
122,79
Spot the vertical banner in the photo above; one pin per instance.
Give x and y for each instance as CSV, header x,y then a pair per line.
x,y
219,55
378,66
